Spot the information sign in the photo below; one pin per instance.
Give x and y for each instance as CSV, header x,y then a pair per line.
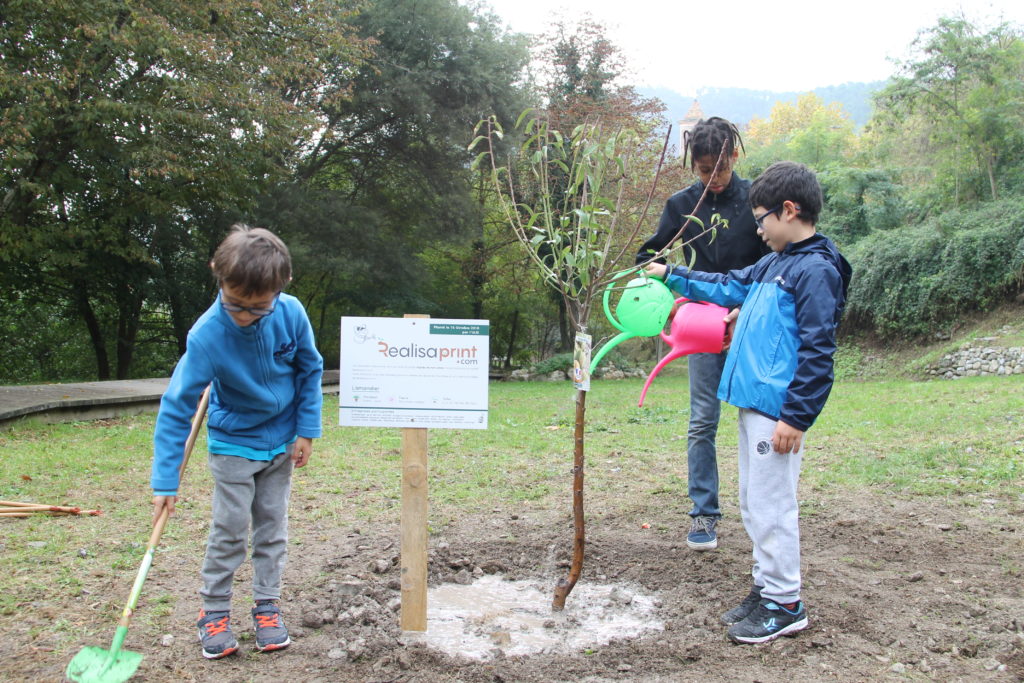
x,y
414,372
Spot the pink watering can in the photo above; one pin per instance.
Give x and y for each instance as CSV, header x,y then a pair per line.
x,y
697,327
643,310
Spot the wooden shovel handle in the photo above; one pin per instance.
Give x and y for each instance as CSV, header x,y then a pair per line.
x,y
197,422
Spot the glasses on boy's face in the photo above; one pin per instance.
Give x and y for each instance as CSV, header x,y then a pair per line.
x,y
257,311
760,219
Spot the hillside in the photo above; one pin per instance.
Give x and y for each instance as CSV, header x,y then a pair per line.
x,y
863,357
740,105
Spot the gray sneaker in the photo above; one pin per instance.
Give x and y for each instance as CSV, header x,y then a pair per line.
x,y
768,621
271,633
702,534
740,612
215,634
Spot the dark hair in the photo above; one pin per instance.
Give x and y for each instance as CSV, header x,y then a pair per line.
x,y
253,260
788,180
708,137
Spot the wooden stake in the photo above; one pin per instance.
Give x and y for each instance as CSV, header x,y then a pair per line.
x,y
41,508
414,526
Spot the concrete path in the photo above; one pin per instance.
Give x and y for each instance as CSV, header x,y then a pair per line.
x,y
94,400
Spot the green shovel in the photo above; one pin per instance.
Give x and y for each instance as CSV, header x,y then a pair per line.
x,y
96,665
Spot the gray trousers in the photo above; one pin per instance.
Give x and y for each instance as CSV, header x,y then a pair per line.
x,y
768,503
247,492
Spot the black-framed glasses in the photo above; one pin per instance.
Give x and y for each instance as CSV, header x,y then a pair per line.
x,y
760,219
256,311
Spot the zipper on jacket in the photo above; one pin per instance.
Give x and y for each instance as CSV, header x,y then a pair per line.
x,y
761,284
266,370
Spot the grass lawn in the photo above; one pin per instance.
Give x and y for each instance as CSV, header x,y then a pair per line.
x,y
961,439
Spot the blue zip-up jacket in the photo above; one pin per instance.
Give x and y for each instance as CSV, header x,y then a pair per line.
x,y
780,361
266,385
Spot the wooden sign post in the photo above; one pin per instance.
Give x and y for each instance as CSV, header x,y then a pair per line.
x,y
413,376
414,529
414,525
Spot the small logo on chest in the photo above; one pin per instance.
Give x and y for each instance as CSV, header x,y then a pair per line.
x,y
285,349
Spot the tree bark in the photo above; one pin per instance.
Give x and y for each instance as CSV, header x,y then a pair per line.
x,y
99,346
129,314
513,332
565,585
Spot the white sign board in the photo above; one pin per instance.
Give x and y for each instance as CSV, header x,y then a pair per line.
x,y
414,372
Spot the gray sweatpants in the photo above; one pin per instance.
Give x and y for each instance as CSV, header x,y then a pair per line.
x,y
247,492
768,504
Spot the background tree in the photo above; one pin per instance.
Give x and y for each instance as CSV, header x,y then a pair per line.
x,y
382,193
122,123
953,111
808,131
582,80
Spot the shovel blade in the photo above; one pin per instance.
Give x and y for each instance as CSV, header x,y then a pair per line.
x,y
96,665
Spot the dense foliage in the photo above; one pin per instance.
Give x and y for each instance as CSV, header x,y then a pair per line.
x,y
133,134
922,279
927,201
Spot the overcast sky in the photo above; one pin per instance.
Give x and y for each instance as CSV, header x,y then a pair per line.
x,y
778,45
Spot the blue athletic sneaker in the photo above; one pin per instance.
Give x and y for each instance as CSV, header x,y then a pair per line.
x,y
702,534
768,621
271,633
740,612
215,634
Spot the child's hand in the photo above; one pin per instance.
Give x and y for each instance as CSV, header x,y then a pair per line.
x,y
730,327
302,450
656,270
161,502
786,439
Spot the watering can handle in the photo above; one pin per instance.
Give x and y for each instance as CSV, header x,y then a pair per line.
x,y
605,301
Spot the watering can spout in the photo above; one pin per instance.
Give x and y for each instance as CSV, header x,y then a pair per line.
x,y
697,327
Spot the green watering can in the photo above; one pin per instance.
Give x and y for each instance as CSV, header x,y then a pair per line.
x,y
642,311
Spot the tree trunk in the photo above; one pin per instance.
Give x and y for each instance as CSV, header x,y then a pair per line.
x,y
99,347
477,277
510,349
565,585
991,177
129,312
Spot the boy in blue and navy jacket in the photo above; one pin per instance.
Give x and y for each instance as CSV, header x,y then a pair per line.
x,y
255,347
779,374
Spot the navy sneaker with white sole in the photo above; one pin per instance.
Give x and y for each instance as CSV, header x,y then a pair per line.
x,y
702,534
271,633
768,621
215,634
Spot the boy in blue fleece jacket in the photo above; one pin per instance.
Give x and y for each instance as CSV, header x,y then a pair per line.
x,y
779,374
255,347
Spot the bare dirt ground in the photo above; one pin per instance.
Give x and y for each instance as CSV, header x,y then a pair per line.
x,y
897,589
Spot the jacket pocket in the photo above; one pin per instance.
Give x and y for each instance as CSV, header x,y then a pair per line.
x,y
222,419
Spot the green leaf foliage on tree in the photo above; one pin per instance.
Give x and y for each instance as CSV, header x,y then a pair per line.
x,y
922,279
124,126
808,131
955,112
859,201
384,184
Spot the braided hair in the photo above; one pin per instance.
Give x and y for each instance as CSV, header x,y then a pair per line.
x,y
708,137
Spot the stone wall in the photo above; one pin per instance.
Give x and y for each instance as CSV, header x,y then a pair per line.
x,y
979,360
611,372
